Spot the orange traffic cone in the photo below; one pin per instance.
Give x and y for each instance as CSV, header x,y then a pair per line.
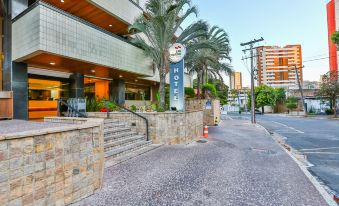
x,y
206,131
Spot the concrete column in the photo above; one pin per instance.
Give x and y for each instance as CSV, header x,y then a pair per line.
x,y
7,47
117,91
77,86
20,90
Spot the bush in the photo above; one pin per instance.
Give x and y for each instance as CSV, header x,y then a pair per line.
x,y
189,92
134,108
329,111
292,103
211,89
103,103
100,104
91,105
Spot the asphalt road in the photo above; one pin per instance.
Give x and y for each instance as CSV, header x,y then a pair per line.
x,y
317,138
231,168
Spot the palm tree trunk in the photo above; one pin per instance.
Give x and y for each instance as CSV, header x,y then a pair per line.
x,y
198,85
162,89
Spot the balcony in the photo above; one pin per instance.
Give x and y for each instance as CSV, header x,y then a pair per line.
x,y
44,34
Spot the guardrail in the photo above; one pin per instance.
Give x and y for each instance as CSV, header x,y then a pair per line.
x,y
134,114
71,110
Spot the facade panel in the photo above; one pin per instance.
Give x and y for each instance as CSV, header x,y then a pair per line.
x,y
123,9
46,30
332,10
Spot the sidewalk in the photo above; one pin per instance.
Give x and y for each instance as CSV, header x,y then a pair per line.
x,y
239,165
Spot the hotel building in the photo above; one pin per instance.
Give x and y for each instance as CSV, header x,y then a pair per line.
x,y
276,66
72,49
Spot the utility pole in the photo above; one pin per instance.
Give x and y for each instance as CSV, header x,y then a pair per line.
x,y
251,45
300,88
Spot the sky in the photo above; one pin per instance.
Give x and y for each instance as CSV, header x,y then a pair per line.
x,y
279,22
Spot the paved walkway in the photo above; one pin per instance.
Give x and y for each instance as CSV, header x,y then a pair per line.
x,y
240,165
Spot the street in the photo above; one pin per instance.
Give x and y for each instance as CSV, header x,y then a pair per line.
x,y
229,168
317,139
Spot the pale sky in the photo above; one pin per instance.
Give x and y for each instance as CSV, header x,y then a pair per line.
x,y
279,22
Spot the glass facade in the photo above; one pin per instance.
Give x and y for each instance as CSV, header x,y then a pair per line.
x,y
137,92
43,95
96,88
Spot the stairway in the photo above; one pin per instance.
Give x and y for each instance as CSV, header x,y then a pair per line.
x,y
122,144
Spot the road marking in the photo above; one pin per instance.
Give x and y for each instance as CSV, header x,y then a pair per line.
x,y
315,149
320,152
296,130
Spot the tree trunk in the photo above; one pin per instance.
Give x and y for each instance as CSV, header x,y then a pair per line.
x,y
335,107
263,109
162,89
198,86
201,84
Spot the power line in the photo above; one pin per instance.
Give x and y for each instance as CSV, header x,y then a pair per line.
x,y
251,45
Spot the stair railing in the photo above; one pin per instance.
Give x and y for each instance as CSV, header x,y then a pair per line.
x,y
71,111
132,113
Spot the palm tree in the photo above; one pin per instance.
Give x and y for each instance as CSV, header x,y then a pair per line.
x,y
209,61
159,25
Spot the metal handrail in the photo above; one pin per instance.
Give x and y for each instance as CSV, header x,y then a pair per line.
x,y
134,113
60,101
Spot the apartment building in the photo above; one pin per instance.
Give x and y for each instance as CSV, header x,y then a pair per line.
x,y
276,65
236,81
73,49
332,26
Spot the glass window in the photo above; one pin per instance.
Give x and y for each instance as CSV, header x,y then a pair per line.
x,y
96,88
137,92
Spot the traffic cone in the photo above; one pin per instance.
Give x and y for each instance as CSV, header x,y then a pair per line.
x,y
206,131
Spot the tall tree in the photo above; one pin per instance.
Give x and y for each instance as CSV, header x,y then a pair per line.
x,y
329,89
159,26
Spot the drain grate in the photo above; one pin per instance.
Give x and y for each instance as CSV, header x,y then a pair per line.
x,y
201,141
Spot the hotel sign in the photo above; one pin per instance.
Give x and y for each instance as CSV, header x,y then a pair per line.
x,y
177,91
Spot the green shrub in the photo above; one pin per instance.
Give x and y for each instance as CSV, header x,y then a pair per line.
x,y
103,103
91,105
189,92
160,109
211,89
134,108
329,111
292,103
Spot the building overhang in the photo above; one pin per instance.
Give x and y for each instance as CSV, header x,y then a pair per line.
x,y
112,15
44,34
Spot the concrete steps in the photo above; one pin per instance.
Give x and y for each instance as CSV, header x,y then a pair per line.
x,y
122,144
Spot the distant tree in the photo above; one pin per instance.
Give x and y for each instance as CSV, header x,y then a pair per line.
x,y
267,96
329,89
292,103
280,95
335,38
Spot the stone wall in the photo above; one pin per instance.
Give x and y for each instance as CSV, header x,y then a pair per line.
x,y
52,166
211,116
164,128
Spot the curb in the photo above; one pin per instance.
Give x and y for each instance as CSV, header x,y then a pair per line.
x,y
329,198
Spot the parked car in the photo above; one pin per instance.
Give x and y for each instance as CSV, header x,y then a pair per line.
x,y
257,111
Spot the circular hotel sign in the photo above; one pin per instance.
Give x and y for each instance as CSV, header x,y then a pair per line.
x,y
177,52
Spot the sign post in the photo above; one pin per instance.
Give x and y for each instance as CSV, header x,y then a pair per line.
x,y
177,89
